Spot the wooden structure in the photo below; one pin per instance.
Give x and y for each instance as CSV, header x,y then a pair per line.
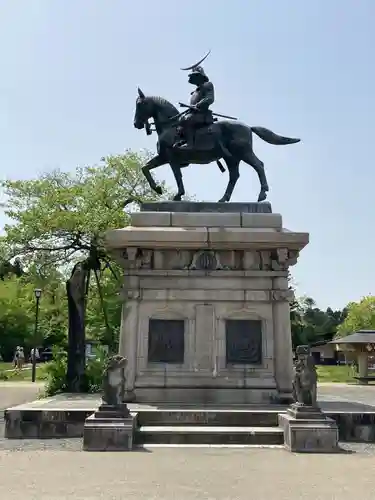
x,y
362,344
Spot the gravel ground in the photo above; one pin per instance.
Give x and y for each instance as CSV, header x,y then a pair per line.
x,y
53,470
185,474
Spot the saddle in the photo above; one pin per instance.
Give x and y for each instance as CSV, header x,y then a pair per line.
x,y
198,129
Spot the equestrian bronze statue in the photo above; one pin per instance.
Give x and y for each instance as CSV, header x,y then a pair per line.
x,y
196,136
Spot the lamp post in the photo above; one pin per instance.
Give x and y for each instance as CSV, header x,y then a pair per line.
x,y
38,294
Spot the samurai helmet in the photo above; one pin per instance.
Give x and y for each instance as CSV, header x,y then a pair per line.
x,y
197,70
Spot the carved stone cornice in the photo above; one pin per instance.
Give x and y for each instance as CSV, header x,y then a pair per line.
x,y
282,295
168,259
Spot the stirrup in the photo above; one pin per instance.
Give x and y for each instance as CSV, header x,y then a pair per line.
x,y
187,145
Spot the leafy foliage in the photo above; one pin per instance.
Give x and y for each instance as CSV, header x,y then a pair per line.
x,y
58,215
54,220
55,372
95,321
18,308
94,372
360,316
310,324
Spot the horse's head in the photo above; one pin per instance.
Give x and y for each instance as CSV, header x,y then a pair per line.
x,y
143,110
154,107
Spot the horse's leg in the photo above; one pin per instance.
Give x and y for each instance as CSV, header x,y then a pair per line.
x,y
156,161
251,159
234,174
176,169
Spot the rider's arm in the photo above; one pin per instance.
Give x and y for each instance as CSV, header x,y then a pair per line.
x,y
208,98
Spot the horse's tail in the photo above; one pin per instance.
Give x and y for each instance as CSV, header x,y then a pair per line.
x,y
272,138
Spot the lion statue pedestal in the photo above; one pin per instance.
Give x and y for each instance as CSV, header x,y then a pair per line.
x,y
306,428
111,427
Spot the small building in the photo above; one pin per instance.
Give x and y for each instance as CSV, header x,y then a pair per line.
x,y
324,353
361,345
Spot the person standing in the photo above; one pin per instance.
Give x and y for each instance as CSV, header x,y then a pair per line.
x,y
36,354
15,357
21,358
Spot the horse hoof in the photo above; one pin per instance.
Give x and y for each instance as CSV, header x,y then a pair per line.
x,y
262,196
158,190
222,200
177,197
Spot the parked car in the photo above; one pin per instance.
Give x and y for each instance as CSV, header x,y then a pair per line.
x,y
45,354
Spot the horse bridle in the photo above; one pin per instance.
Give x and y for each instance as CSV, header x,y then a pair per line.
x,y
148,125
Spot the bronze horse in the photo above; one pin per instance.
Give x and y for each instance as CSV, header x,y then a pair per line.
x,y
235,136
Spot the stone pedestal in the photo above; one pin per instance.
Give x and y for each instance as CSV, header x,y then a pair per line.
x,y
111,428
206,302
307,430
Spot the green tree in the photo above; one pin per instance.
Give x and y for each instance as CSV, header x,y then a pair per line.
x,y
302,324
310,324
360,316
53,317
56,217
103,313
17,314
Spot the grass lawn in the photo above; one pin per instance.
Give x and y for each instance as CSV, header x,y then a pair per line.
x,y
326,373
23,375
335,373
5,366
338,373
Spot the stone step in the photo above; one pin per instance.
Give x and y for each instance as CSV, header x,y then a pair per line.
x,y
182,435
223,418
236,446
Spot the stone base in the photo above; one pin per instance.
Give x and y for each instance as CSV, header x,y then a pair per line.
x,y
207,207
129,396
206,315
303,412
207,396
285,397
64,416
307,430
109,429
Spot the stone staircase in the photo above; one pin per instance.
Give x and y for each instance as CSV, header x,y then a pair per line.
x,y
208,427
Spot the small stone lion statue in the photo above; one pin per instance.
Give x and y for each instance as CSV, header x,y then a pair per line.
x,y
305,378
114,381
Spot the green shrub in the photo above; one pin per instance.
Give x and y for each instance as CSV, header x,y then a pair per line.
x,y
56,373
94,375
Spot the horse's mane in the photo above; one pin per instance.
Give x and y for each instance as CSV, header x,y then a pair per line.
x,y
168,106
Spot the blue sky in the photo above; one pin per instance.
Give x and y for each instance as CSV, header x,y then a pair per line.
x,y
70,69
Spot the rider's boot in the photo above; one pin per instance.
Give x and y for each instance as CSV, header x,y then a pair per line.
x,y
188,144
180,138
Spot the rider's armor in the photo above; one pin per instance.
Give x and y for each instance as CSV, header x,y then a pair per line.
x,y
201,99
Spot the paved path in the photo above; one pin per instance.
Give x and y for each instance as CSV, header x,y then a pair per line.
x,y
25,367
16,393
186,474
58,469
364,394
